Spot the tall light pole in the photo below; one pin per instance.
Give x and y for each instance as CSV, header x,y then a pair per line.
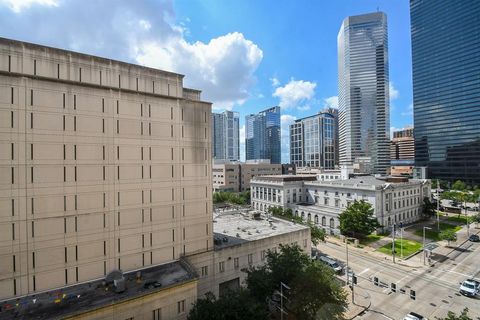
x,y
348,268
281,299
424,253
438,206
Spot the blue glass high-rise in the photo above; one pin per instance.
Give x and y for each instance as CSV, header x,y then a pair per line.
x,y
262,135
446,88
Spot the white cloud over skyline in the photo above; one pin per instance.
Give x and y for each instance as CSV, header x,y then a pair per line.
x,y
295,93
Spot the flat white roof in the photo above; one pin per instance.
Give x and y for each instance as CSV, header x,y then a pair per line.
x,y
244,227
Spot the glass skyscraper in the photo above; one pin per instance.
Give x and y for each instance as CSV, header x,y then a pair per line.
x,y
225,136
312,141
446,88
262,135
363,92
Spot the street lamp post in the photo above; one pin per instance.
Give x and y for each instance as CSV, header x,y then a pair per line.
x,y
348,268
424,253
438,206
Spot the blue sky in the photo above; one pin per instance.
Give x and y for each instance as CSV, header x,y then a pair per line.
x,y
245,55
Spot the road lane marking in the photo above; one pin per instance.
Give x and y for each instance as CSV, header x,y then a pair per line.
x,y
363,271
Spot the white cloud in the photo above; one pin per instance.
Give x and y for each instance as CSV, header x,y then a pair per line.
x,y
275,82
223,68
146,32
295,93
409,111
285,121
331,102
18,5
394,93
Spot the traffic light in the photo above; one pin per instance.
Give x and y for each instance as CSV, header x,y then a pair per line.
x,y
393,287
375,281
412,294
354,279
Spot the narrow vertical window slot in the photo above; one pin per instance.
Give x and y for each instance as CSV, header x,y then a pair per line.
x,y
31,151
31,120
11,119
74,123
80,74
31,97
9,63
13,151
58,70
35,67
74,102
64,123
103,105
11,95
64,98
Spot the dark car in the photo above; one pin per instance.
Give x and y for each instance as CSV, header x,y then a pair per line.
x,y
474,238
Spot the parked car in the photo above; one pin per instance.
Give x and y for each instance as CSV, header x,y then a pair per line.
x,y
474,238
337,268
470,287
414,316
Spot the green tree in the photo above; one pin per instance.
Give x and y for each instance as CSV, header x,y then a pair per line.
x,y
429,209
358,220
316,234
476,219
459,185
448,235
452,316
313,293
235,305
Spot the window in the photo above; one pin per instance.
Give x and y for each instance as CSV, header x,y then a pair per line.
x,y
31,97
262,255
250,258
181,306
74,102
204,271
221,266
236,263
157,314
74,123
31,120
11,95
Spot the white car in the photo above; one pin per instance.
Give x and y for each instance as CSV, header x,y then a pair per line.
x,y
414,316
470,287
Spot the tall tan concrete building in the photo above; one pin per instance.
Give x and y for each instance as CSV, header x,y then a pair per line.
x,y
402,152
104,165
235,176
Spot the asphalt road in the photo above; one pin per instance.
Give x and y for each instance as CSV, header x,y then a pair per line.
x,y
437,288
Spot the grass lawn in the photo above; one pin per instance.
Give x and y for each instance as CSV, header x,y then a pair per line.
x,y
370,239
409,247
462,219
433,233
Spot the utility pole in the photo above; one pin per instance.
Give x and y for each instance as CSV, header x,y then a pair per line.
x,y
424,252
438,206
393,242
401,239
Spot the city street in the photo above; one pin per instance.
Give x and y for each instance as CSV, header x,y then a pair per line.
x,y
437,288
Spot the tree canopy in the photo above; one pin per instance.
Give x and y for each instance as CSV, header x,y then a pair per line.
x,y
448,235
358,220
314,291
240,198
428,208
234,305
452,316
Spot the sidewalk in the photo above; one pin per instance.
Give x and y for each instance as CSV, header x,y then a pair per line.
x,y
362,303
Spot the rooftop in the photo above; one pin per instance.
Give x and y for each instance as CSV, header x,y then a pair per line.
x,y
285,177
368,181
235,227
77,299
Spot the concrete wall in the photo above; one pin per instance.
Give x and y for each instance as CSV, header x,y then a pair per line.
x,y
96,175
170,303
251,253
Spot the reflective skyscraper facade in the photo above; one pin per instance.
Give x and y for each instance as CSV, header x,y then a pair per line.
x,y
225,136
363,92
446,88
262,135
312,141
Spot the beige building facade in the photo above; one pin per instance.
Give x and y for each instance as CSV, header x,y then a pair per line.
x,y
236,176
242,240
104,165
